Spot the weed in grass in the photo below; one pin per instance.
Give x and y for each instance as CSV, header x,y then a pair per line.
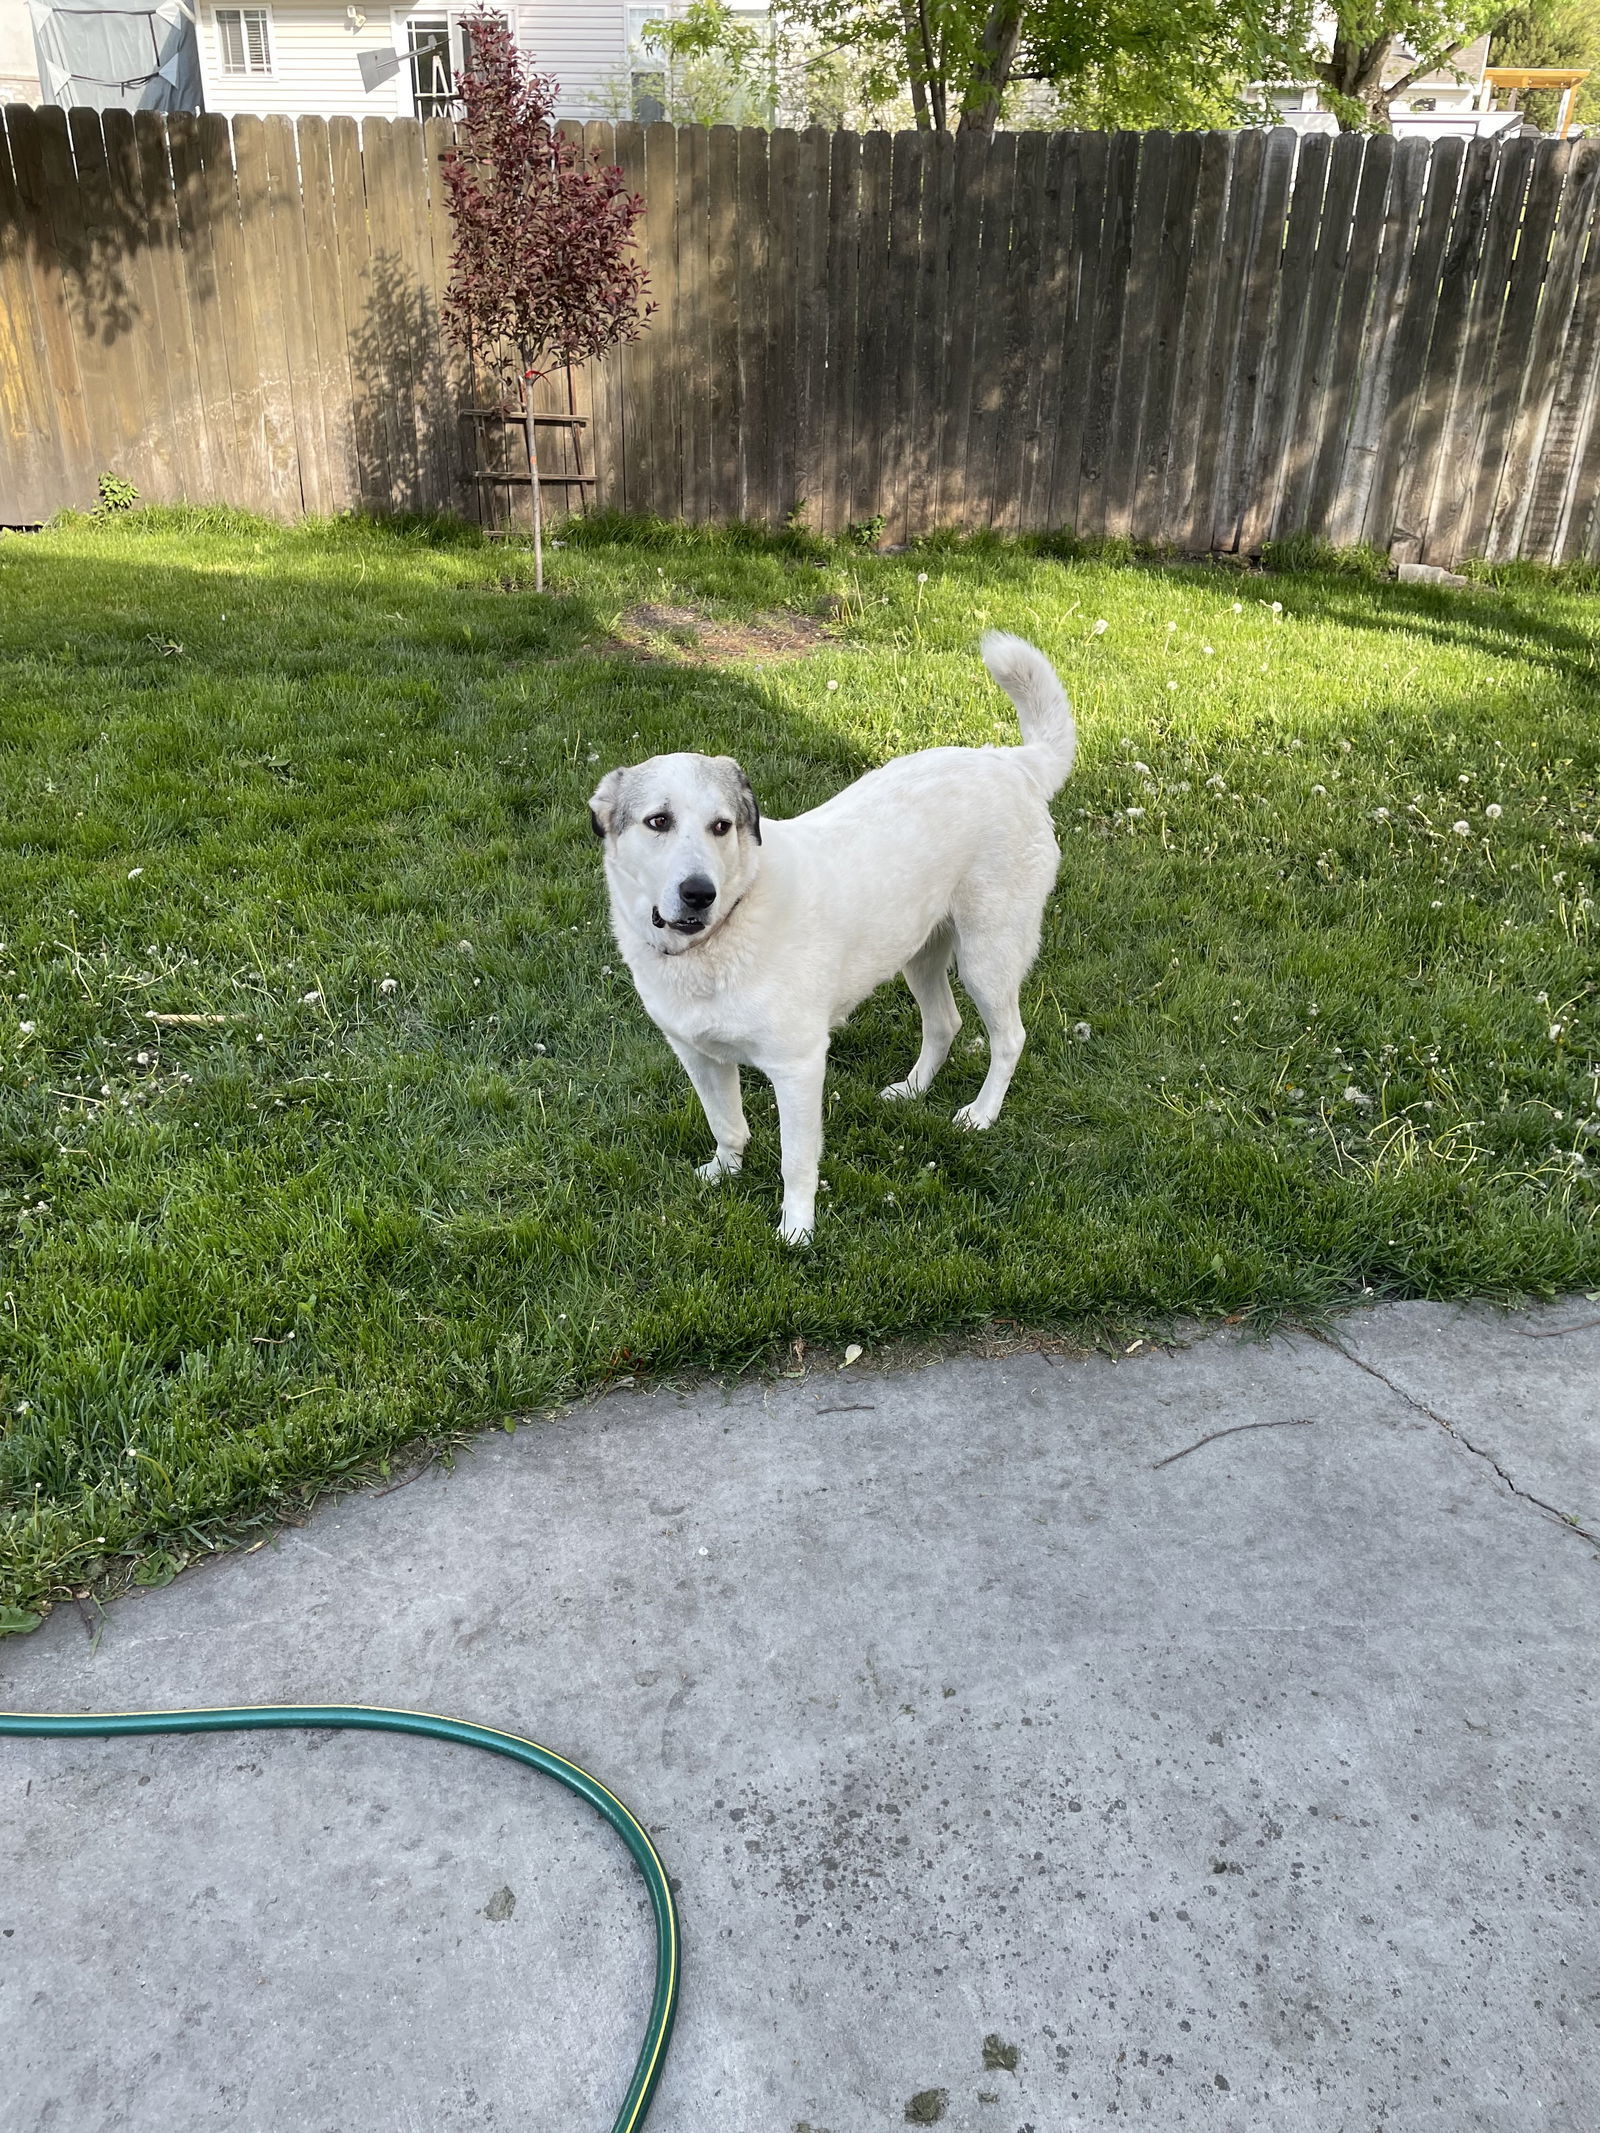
x,y
329,1122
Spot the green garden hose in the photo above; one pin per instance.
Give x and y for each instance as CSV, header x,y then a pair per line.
x,y
373,1719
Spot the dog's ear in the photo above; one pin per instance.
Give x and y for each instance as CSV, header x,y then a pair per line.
x,y
749,812
603,806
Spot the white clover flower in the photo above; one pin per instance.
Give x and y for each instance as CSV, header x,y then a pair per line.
x,y
1380,814
388,984
594,755
1494,810
1555,1030
1277,607
465,947
27,1028
142,1058
1135,814
1319,792
1238,607
1465,778
1172,684
134,873
1082,1032
1217,784
1461,829
1144,770
1437,905
833,685
1101,626
311,999
1207,650
922,577
1358,1097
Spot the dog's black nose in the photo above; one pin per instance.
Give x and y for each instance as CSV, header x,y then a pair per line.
x,y
697,892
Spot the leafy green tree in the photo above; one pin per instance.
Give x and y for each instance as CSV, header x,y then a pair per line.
x,y
1551,33
1109,62
716,67
1368,35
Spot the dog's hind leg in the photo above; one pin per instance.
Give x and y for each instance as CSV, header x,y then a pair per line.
x,y
993,961
998,920
717,1085
928,975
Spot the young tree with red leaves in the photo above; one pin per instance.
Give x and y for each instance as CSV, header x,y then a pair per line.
x,y
543,262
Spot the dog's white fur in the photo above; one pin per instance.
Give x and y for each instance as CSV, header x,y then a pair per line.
x,y
948,854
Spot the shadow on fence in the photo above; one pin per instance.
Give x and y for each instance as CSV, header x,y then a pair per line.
x,y
1205,341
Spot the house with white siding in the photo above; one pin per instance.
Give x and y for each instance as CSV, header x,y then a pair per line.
x,y
305,57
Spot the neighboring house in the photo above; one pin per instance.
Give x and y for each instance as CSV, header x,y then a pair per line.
x,y
1453,98
19,64
306,56
292,56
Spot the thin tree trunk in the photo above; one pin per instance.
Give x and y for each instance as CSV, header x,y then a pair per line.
x,y
917,60
1355,71
1002,33
533,476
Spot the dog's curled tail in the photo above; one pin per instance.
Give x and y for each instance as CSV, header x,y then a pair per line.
x,y
1049,730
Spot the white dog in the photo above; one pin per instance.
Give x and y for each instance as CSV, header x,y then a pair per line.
x,y
751,941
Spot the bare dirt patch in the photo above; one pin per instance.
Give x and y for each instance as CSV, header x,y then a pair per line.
x,y
655,630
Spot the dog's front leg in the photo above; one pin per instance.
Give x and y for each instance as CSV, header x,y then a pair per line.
x,y
716,1083
798,1087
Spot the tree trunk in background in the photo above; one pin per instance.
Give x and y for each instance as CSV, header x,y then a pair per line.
x,y
1002,33
914,20
1356,71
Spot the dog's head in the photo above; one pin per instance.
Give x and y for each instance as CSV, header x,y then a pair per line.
x,y
681,834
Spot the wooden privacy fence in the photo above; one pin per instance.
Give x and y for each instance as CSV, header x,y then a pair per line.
x,y
1199,339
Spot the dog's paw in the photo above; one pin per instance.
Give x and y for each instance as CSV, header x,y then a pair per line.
x,y
719,1167
794,1236
900,1092
972,1119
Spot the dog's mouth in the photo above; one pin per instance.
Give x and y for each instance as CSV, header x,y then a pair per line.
x,y
676,925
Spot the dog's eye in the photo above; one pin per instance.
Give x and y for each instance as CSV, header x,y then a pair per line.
x,y
720,828
660,822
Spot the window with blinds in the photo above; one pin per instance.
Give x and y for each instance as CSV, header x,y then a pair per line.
x,y
242,35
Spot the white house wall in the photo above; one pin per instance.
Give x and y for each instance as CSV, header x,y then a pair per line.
x,y
316,43
314,65
19,66
583,43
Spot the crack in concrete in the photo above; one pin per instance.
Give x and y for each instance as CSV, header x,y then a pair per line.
x,y
1562,1518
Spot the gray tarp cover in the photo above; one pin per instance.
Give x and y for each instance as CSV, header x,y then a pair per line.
x,y
138,58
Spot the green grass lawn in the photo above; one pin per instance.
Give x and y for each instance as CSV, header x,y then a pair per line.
x,y
1315,1016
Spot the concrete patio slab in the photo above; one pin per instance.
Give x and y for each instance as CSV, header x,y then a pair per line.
x,y
1201,1739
